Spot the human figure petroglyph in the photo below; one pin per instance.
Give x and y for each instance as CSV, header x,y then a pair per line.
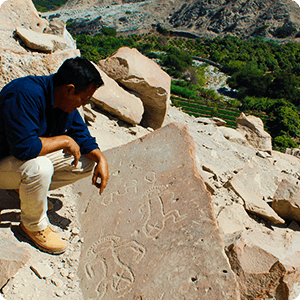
x,y
107,270
128,187
154,207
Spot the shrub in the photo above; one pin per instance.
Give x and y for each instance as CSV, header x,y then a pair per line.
x,y
284,31
280,143
107,31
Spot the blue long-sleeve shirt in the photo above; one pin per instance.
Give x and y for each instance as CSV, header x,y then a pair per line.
x,y
27,113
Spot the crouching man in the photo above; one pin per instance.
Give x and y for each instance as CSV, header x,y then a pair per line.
x,y
45,144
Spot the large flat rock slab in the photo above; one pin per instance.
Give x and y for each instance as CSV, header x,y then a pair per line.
x,y
152,234
12,258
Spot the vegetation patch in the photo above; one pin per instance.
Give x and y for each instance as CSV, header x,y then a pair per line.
x,y
265,74
48,5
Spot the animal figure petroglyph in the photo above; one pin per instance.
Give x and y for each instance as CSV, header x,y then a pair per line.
x,y
106,269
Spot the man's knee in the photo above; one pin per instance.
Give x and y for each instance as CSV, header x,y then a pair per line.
x,y
39,167
87,164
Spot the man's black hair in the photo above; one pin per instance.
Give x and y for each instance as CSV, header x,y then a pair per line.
x,y
78,71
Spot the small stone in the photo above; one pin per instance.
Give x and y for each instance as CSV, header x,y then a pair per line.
x,y
218,185
41,270
57,282
71,276
133,130
64,272
59,293
75,231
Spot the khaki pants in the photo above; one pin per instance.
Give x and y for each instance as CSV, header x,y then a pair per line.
x,y
35,177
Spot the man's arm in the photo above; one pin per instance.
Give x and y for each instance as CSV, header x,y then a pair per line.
x,y
51,144
61,142
101,169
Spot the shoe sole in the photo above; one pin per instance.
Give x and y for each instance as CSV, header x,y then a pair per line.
x,y
24,234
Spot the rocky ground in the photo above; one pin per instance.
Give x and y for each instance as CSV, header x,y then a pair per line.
x,y
48,276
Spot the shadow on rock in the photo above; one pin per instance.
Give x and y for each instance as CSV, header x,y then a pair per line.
x,y
55,218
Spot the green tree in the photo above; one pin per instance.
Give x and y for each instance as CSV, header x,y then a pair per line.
x,y
281,142
288,121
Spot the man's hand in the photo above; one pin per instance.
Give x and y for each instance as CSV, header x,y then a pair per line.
x,y
73,148
61,142
101,169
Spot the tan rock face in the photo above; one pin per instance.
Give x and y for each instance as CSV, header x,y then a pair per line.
x,y
246,184
253,129
11,261
56,27
143,76
40,41
14,13
286,201
118,102
152,235
266,262
14,65
233,135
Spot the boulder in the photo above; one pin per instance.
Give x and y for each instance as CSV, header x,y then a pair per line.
x,y
233,218
21,13
57,27
294,152
12,258
154,235
118,102
267,263
252,128
18,64
40,41
246,184
214,120
286,201
143,76
233,135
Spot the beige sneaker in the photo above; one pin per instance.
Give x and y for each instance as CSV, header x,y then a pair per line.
x,y
46,240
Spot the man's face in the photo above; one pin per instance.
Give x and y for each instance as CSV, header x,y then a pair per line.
x,y
68,100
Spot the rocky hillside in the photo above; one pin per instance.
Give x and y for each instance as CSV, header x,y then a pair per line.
x,y
193,209
201,18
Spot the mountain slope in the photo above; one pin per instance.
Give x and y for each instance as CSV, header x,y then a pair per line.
x,y
208,18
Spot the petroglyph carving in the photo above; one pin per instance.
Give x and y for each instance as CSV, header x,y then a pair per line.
x,y
153,207
129,187
107,265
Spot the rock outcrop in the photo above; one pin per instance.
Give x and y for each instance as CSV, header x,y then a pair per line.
x,y
247,186
143,76
21,13
40,41
156,230
12,258
15,64
184,18
267,264
252,128
286,201
112,98
21,19
154,235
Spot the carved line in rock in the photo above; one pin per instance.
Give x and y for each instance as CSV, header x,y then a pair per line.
x,y
104,261
153,207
